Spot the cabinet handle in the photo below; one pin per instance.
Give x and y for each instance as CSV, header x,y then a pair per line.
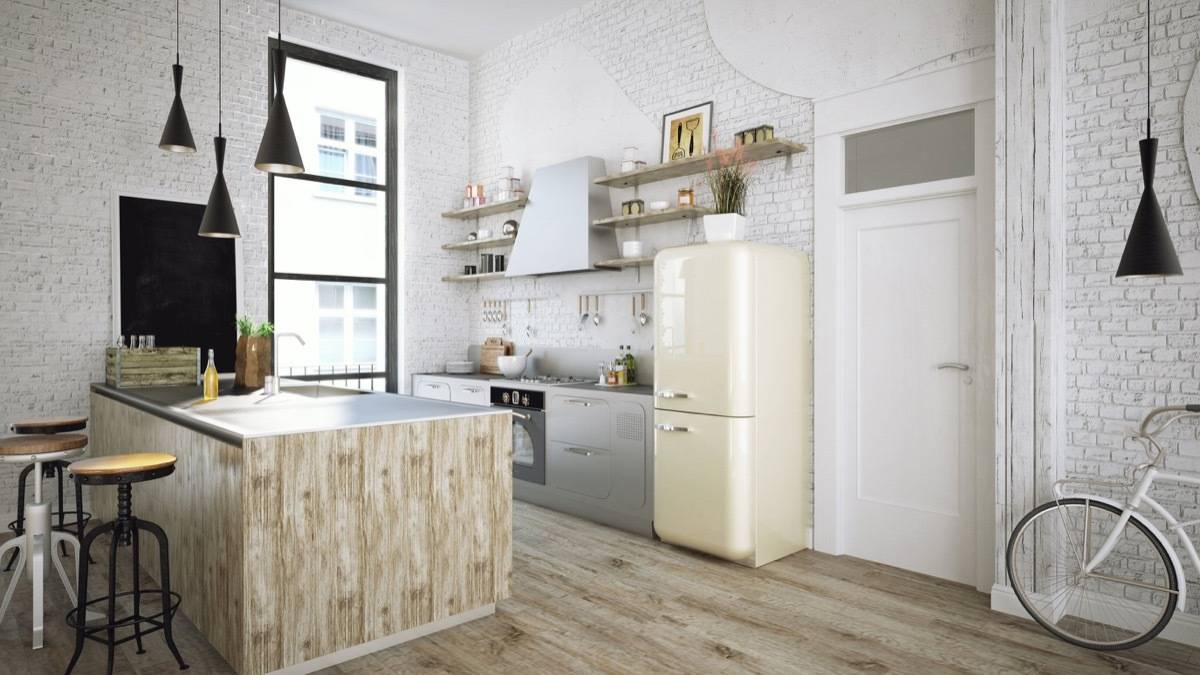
x,y
520,416
953,365
473,390
670,427
575,401
432,385
667,393
580,451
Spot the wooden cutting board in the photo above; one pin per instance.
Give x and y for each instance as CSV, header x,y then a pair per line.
x,y
491,351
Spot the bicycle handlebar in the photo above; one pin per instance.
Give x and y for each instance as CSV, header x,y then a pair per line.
x,y
1148,435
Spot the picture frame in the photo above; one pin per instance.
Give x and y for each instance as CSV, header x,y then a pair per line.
x,y
687,133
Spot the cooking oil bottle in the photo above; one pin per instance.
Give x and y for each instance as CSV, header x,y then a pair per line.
x,y
210,378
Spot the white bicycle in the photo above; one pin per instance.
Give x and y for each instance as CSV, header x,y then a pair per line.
x,y
1098,573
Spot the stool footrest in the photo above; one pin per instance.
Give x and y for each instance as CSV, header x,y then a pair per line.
x,y
129,619
71,526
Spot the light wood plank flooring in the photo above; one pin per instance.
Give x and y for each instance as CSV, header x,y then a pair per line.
x,y
589,599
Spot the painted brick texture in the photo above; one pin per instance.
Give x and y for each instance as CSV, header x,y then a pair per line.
x,y
1130,345
86,87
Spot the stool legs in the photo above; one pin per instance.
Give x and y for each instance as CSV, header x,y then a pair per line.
x,y
18,554
164,561
125,530
20,528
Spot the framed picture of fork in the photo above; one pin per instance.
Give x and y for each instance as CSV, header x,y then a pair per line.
x,y
685,133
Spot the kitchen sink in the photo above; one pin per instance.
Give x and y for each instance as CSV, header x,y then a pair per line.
x,y
321,391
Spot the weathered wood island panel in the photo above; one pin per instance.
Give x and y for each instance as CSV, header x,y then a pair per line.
x,y
306,546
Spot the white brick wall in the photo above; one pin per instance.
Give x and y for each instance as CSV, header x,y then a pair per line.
x,y
86,87
661,55
1130,345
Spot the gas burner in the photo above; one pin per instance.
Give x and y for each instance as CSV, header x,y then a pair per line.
x,y
548,380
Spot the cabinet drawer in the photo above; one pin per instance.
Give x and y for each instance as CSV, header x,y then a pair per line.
x,y
579,469
580,419
425,387
475,393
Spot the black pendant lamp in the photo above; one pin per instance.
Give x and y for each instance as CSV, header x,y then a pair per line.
x,y
278,152
177,134
1148,249
219,219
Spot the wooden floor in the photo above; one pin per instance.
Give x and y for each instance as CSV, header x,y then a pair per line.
x,y
588,599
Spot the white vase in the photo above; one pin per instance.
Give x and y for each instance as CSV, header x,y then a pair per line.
x,y
724,227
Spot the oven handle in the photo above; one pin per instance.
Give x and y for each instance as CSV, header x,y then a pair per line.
x,y
580,451
520,415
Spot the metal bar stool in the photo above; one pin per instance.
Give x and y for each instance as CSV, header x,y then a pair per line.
x,y
38,541
49,425
123,471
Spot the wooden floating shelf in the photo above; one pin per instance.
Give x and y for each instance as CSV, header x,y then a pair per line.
x,y
503,240
652,217
486,276
622,263
688,167
487,209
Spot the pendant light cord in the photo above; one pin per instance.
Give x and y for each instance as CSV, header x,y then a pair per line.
x,y
176,32
220,14
279,19
1147,68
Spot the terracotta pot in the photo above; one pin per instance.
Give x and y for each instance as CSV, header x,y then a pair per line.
x,y
252,361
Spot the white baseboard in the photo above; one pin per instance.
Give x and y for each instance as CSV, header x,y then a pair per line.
x,y
330,660
1183,628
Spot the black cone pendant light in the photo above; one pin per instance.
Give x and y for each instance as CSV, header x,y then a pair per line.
x,y
177,134
219,219
1148,249
278,152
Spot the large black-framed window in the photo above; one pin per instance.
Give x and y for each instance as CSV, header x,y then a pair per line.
x,y
332,231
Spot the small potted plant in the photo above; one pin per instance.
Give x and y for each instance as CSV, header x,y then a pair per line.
x,y
728,179
252,361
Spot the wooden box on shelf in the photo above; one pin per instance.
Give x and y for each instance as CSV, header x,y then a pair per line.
x,y
252,361
151,367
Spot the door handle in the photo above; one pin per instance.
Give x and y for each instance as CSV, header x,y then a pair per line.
x,y
580,451
520,416
670,427
953,365
667,393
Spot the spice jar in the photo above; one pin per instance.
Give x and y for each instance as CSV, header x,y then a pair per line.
x,y
687,198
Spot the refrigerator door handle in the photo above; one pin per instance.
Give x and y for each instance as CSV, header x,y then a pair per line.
x,y
954,365
667,393
670,427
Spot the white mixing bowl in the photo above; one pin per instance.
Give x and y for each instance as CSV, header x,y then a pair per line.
x,y
512,366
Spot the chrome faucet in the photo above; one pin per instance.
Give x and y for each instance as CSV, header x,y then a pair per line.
x,y
271,382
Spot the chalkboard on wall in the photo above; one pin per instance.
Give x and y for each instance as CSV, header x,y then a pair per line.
x,y
176,285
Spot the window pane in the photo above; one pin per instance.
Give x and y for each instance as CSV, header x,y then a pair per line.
x,y
364,297
331,296
364,134
328,347
364,170
321,233
316,94
914,152
365,340
332,128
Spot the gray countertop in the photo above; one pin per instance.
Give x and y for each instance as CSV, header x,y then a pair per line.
x,y
300,407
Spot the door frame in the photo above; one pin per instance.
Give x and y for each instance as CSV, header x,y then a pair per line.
x,y
962,87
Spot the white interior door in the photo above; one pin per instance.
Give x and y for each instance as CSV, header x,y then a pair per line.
x,y
909,492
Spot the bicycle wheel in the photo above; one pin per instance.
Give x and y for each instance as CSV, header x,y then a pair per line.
x,y
1125,601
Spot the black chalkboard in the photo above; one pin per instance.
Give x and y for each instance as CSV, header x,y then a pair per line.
x,y
176,285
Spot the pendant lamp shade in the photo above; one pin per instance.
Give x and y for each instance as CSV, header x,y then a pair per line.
x,y
1148,250
177,134
278,152
219,219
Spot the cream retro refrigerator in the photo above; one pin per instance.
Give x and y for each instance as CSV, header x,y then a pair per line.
x,y
732,388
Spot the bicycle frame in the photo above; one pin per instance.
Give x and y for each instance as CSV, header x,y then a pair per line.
x,y
1140,496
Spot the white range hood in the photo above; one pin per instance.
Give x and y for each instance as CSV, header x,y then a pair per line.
x,y
556,233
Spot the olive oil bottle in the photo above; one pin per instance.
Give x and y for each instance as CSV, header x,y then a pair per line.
x,y
210,378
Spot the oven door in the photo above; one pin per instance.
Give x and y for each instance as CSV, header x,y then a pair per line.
x,y
529,446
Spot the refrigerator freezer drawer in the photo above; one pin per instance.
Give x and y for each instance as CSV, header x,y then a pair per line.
x,y
704,482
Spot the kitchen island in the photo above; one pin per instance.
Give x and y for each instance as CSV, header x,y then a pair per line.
x,y
318,525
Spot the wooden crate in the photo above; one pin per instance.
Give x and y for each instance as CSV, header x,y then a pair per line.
x,y
152,367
